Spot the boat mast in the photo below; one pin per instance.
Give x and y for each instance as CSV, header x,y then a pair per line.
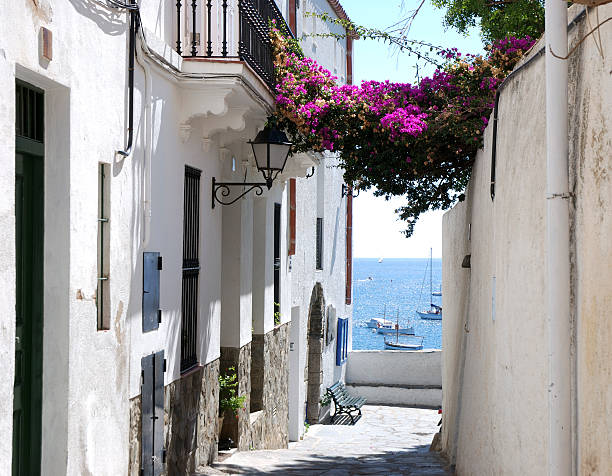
x,y
430,277
397,327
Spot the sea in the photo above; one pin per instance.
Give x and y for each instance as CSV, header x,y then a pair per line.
x,y
395,286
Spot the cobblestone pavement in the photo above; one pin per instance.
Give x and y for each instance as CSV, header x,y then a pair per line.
x,y
385,441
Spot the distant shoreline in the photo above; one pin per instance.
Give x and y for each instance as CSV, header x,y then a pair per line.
x,y
396,259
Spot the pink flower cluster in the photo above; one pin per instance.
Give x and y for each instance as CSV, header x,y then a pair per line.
x,y
439,119
512,44
406,120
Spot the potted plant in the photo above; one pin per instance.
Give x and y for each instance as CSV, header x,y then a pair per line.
x,y
229,401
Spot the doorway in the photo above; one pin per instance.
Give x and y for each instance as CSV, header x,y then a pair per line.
x,y
29,222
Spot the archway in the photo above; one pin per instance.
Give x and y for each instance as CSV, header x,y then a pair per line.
x,y
316,334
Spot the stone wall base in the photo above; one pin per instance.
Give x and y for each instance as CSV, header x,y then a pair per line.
x,y
270,430
190,421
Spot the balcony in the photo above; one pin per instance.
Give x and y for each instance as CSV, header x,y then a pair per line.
x,y
224,54
228,31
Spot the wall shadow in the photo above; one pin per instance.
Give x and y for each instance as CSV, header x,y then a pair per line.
x,y
417,460
111,21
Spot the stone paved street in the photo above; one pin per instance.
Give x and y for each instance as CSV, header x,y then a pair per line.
x,y
385,441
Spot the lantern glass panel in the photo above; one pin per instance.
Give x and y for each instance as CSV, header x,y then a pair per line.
x,y
278,156
261,155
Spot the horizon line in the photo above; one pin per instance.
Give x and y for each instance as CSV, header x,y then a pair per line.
x,y
395,257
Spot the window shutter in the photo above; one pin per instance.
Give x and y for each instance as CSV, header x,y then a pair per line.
x,y
292,218
158,413
349,249
150,291
152,414
147,421
319,257
342,341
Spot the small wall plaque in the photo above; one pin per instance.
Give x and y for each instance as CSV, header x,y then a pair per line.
x,y
47,43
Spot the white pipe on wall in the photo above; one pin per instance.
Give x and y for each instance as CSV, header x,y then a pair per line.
x,y
148,138
558,252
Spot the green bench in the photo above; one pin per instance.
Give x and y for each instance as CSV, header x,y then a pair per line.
x,y
344,403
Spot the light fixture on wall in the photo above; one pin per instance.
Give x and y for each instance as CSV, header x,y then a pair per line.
x,y
348,190
311,173
271,149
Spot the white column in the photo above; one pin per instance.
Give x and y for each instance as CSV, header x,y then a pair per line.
x,y
297,389
263,272
236,274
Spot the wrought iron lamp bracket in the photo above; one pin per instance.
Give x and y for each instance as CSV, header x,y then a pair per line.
x,y
346,190
310,174
221,191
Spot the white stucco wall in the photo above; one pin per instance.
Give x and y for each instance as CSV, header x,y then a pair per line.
x,y
328,52
90,375
7,255
81,366
388,377
495,363
381,367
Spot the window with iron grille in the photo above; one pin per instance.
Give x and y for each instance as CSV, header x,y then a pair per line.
x,y
191,268
103,292
319,258
277,260
29,120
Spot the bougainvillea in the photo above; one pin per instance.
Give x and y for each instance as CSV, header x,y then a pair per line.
x,y
415,140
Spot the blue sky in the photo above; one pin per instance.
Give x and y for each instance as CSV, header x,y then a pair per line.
x,y
376,230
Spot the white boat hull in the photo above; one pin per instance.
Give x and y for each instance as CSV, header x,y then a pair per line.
x,y
432,316
390,330
417,345
376,322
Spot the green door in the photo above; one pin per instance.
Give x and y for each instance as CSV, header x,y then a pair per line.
x,y
29,206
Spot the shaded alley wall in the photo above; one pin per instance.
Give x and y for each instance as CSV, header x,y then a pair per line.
x,y
495,333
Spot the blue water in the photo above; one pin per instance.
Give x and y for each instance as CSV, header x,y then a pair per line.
x,y
396,284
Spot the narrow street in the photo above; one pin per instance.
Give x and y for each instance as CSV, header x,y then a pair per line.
x,y
385,441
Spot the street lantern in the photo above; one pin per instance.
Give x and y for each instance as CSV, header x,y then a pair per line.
x,y
271,149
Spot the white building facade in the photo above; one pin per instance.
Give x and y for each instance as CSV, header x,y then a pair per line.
x,y
127,286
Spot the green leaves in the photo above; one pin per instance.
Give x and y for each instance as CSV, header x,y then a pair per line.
x,y
497,18
228,387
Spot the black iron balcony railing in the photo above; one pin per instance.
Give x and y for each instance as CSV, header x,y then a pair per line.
x,y
226,29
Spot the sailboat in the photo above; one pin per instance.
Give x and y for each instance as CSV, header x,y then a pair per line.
x,y
380,322
434,313
414,342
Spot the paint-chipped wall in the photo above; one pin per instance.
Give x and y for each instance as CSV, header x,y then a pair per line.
x,y
495,336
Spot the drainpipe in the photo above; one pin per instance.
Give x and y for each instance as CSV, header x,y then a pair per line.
x,y
134,24
558,265
148,138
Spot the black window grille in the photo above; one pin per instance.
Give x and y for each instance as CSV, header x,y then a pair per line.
x,y
277,257
319,243
103,295
30,118
191,268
